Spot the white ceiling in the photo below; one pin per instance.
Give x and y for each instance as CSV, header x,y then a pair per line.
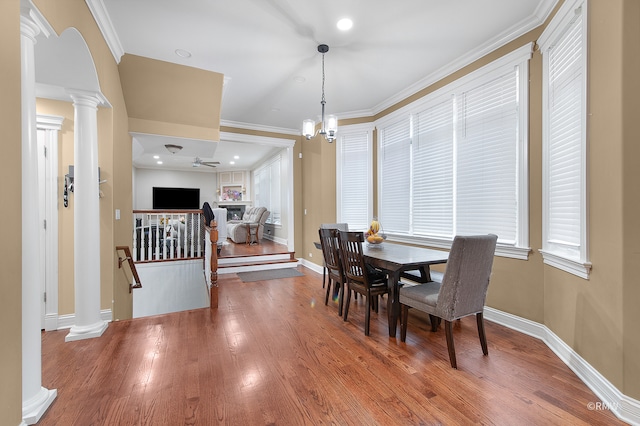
x,y
267,49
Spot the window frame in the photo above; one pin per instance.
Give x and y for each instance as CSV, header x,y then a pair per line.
x,y
519,57
554,254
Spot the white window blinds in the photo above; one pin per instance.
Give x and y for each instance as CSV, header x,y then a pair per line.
x,y
565,140
395,177
563,47
354,201
486,163
455,163
433,171
267,189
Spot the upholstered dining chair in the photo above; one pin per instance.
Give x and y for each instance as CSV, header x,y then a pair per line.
x,y
463,290
361,279
333,265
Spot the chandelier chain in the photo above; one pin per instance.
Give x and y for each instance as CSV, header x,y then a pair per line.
x,y
323,100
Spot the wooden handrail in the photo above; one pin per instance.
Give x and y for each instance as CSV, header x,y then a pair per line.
x,y
213,238
132,266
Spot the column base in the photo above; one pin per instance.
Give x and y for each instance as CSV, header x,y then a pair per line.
x,y
33,409
86,331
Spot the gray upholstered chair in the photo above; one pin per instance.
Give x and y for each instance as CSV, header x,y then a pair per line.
x,y
463,290
250,228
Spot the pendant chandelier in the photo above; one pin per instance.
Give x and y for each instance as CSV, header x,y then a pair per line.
x,y
328,127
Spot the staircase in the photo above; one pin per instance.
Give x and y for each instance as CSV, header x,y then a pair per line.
x,y
256,262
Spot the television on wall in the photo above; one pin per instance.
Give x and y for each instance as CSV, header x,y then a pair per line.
x,y
176,198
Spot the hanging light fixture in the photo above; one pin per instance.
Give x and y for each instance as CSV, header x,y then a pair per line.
x,y
328,127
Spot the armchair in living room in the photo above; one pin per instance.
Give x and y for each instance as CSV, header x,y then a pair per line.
x,y
250,228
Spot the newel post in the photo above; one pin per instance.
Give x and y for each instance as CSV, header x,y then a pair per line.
x,y
213,237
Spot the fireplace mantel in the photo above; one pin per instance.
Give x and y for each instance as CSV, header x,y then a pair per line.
x,y
225,203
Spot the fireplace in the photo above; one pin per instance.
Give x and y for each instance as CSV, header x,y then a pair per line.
x,y
234,212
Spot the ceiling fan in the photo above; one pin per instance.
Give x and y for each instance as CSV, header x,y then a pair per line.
x,y
197,162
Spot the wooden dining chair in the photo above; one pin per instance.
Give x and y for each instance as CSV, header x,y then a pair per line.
x,y
463,290
333,265
340,226
361,278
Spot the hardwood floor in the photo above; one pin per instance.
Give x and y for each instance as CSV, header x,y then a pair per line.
x,y
273,353
265,247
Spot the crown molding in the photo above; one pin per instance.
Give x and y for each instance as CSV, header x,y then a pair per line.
x,y
100,14
538,18
259,127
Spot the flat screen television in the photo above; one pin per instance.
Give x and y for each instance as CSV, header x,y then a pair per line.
x,y
176,198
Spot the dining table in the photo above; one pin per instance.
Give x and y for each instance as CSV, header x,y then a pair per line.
x,y
395,259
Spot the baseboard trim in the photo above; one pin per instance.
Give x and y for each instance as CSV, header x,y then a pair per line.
x,y
625,408
311,265
69,320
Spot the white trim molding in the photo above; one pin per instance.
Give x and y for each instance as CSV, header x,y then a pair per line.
x,y
69,320
100,14
624,407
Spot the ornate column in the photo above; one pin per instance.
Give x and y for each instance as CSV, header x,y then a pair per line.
x,y
86,217
35,398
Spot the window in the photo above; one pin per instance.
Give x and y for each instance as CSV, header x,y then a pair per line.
x,y
455,162
354,176
267,187
563,47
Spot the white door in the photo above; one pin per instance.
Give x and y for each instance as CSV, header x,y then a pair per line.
x,y
48,127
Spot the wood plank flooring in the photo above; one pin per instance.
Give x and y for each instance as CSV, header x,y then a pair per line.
x,y
273,353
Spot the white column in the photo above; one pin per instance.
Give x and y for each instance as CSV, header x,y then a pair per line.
x,y
35,398
86,218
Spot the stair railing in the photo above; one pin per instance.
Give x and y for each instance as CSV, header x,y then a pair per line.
x,y
132,266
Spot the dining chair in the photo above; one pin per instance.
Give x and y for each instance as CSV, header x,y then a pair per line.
x,y
462,292
333,265
360,277
340,226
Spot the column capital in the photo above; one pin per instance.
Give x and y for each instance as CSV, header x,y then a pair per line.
x,y
87,98
32,22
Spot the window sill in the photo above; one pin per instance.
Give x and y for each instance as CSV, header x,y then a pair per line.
x,y
580,269
502,250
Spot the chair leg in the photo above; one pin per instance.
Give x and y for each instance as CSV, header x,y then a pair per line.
x,y
326,297
367,315
404,319
340,299
452,350
324,276
347,302
483,337
435,322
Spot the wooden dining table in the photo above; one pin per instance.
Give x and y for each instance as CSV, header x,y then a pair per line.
x,y
395,259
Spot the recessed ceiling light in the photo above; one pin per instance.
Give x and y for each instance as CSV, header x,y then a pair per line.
x,y
345,24
236,157
232,162
156,157
183,53
159,162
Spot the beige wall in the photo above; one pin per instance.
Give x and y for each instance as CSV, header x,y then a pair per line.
x,y
598,317
11,252
631,201
114,157
157,93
